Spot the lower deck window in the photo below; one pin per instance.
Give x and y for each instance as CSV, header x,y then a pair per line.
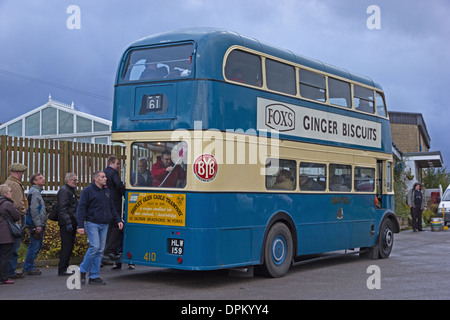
x,y
280,174
312,176
364,179
340,178
158,164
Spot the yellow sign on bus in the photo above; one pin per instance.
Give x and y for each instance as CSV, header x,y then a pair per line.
x,y
156,208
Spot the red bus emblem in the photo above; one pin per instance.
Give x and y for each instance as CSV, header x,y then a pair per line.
x,y
205,167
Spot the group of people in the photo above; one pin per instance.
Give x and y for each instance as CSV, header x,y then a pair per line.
x,y
97,214
22,210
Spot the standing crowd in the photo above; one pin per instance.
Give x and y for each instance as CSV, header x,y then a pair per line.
x,y
97,214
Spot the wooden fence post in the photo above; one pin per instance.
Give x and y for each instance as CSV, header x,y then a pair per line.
x,y
3,160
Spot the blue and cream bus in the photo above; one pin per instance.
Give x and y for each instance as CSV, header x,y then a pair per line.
x,y
242,154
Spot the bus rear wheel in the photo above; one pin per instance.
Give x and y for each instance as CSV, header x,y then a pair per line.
x,y
278,251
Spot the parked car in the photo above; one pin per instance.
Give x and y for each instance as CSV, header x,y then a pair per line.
x,y
445,204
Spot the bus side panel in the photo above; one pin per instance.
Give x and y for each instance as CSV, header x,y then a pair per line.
x,y
205,244
204,249
227,229
329,222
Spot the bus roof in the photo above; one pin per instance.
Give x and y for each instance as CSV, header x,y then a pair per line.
x,y
216,40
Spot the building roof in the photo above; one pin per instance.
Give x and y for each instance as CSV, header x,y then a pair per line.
x,y
426,159
412,119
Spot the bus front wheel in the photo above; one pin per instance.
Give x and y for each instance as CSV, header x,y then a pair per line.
x,y
386,239
278,251
385,242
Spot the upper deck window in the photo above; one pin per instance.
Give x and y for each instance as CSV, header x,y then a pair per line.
x,y
312,85
170,62
244,67
381,107
363,99
280,77
339,93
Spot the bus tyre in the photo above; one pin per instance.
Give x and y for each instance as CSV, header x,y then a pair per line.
x,y
385,239
278,251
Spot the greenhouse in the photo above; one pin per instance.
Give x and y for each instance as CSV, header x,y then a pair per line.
x,y
57,120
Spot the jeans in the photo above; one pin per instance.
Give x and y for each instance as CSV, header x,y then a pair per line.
x,y
33,249
96,234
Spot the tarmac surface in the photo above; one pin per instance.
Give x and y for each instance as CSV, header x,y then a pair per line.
x,y
416,269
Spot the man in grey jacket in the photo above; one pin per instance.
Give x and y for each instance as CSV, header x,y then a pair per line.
x,y
36,221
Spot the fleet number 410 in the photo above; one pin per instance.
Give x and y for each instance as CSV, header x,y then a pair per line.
x,y
150,256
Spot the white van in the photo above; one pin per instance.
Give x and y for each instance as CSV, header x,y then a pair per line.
x,y
445,203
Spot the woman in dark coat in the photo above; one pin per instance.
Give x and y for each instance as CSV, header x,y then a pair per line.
x,y
7,211
416,201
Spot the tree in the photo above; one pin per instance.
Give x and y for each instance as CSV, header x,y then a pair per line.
x,y
433,177
401,209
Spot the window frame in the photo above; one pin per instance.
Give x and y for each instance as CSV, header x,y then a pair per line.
x,y
171,73
293,165
315,184
360,98
229,74
381,95
273,78
338,183
310,85
153,156
334,92
373,178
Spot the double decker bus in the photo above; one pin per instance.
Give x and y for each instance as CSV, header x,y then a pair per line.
x,y
243,154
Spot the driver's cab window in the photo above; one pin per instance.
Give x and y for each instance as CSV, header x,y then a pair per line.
x,y
158,164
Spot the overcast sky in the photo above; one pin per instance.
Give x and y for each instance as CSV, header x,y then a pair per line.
x,y
408,54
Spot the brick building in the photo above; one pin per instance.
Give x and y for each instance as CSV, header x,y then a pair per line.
x,y
412,143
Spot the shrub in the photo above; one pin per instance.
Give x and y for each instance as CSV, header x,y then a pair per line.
x,y
52,243
427,215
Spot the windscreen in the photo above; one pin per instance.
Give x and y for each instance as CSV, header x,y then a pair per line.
x,y
446,196
159,63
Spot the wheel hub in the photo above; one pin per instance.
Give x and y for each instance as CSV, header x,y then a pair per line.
x,y
279,250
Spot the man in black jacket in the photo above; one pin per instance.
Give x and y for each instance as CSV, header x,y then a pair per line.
x,y
67,221
117,190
